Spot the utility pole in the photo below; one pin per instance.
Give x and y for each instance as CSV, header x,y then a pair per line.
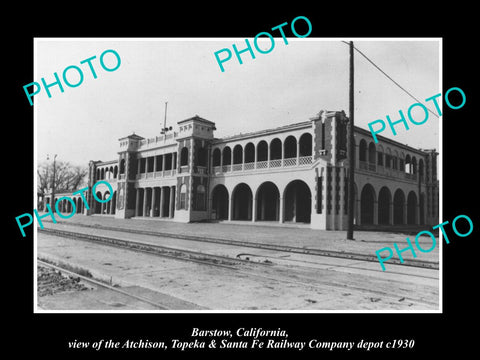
x,y
53,185
46,189
351,153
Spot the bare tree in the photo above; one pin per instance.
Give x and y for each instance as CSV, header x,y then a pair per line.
x,y
67,177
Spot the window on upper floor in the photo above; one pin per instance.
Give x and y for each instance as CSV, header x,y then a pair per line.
x,y
380,158
184,157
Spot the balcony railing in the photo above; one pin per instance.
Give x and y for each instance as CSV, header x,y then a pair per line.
x,y
305,160
276,163
290,162
249,166
156,174
261,165
237,167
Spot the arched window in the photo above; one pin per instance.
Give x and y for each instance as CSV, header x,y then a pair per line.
x,y
306,144
395,160
249,153
183,196
216,157
290,147
414,165
380,157
237,154
372,153
388,158
367,204
401,162
408,164
275,149
262,151
362,150
227,155
184,157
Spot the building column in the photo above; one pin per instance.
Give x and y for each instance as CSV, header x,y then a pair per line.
x,y
243,158
334,202
153,198
137,202
268,155
172,201
282,153
358,218
173,161
230,208
162,200
298,151
390,212
262,208
163,165
404,222
255,157
254,209
154,170
145,202
282,205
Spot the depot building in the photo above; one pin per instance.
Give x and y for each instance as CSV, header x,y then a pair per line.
x,y
293,174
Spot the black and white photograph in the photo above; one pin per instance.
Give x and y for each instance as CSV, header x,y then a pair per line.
x,y
288,183
171,185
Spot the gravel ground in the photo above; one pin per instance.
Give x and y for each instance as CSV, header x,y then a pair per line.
x,y
51,282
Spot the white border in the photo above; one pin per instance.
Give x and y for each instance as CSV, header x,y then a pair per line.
x,y
36,310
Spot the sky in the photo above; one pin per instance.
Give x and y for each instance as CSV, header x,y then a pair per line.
x,y
290,84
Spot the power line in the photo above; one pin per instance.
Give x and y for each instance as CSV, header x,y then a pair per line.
x,y
389,77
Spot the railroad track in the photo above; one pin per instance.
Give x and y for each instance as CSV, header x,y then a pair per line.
x,y
159,250
275,247
224,262
101,284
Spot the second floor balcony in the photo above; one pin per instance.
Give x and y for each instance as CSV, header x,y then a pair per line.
x,y
388,171
301,161
156,174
